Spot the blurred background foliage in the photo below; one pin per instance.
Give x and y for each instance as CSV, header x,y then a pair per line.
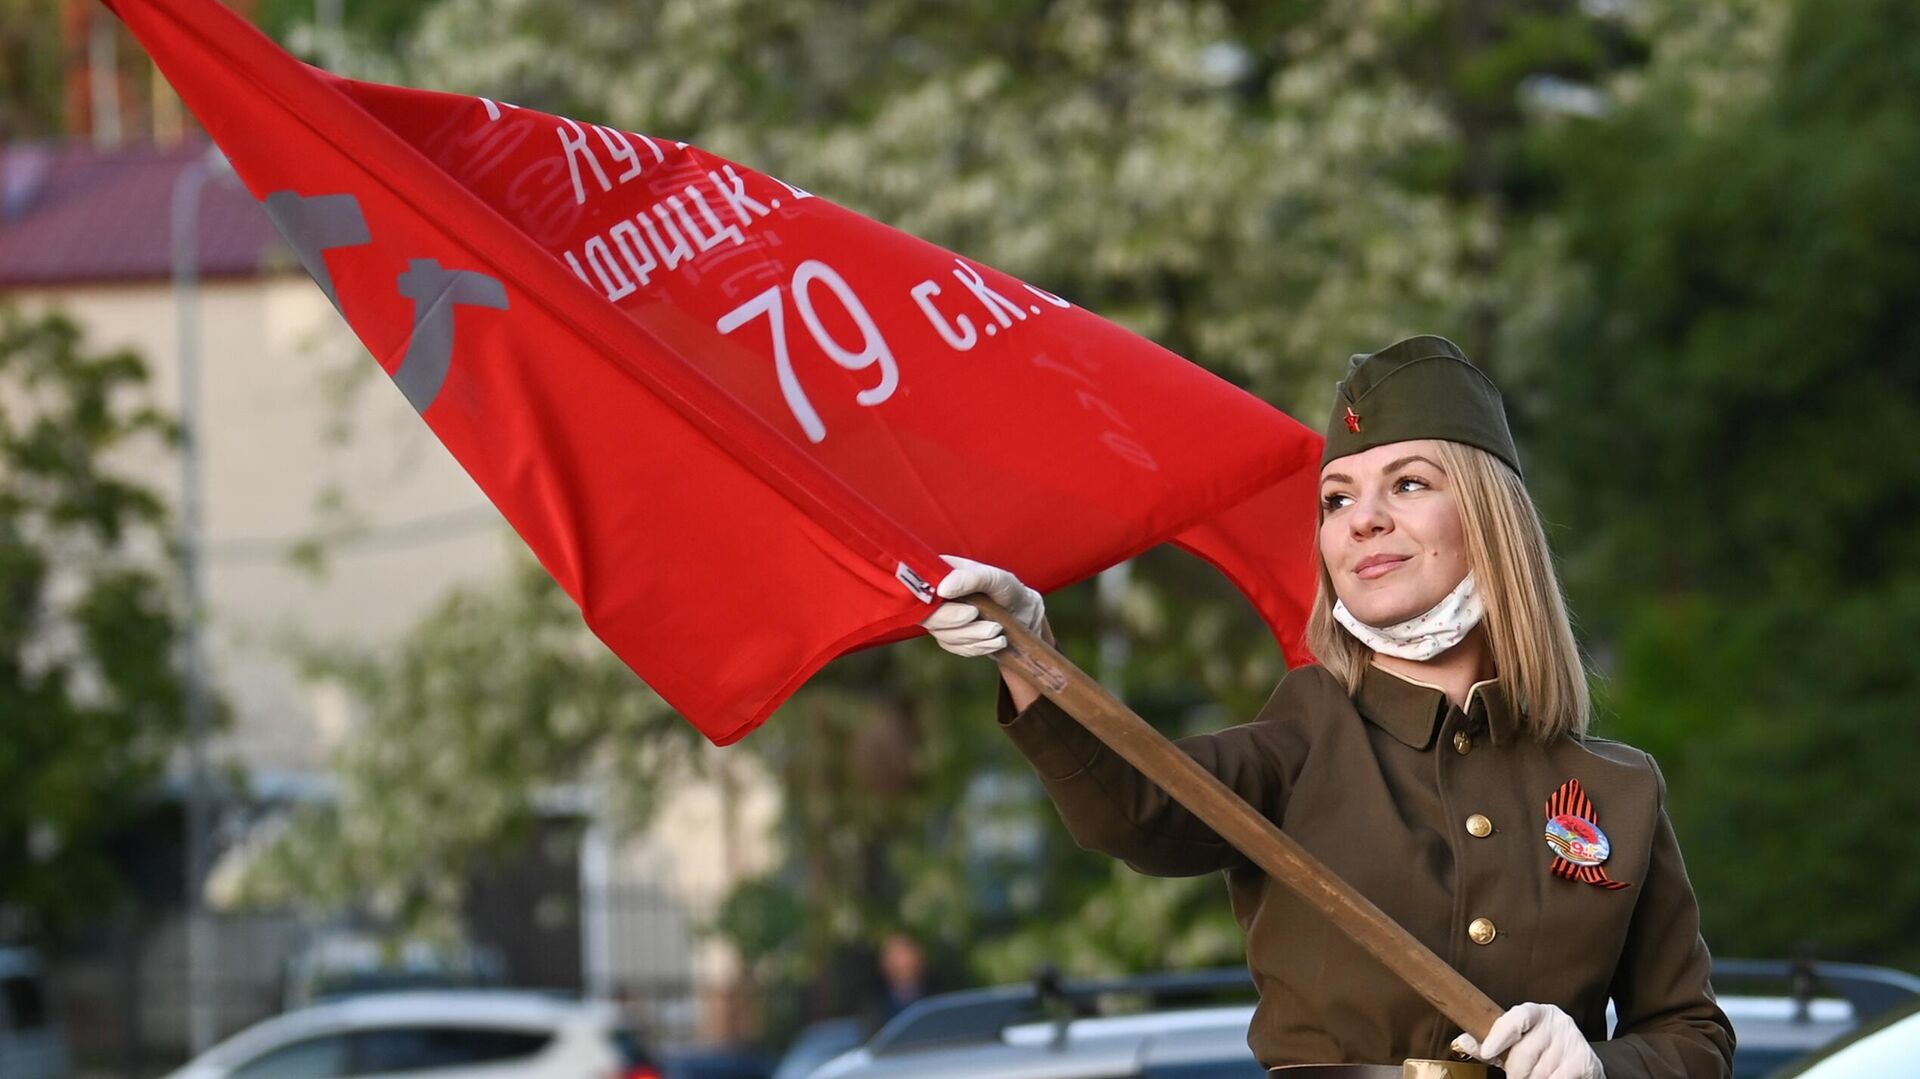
x,y
91,705
1678,231
30,101
1731,436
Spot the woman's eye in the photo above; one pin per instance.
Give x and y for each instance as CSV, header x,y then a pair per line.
x,y
1330,503
1402,484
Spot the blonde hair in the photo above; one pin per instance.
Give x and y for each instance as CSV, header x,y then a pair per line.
x,y
1528,630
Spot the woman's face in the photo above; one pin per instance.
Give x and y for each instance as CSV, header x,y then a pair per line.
x,y
1390,531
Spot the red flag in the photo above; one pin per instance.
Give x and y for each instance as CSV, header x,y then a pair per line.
x,y
734,421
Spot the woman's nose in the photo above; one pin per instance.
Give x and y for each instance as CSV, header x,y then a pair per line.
x,y
1369,517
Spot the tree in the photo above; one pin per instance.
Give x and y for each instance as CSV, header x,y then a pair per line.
x,y
1731,425
494,698
90,703
31,47
361,27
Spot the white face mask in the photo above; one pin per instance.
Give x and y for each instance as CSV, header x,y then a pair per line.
x,y
1423,636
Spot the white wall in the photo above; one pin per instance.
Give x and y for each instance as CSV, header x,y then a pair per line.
x,y
270,348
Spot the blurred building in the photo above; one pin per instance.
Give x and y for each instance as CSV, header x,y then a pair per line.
x,y
302,438
88,230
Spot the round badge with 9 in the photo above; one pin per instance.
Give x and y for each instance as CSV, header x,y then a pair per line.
x,y
1578,840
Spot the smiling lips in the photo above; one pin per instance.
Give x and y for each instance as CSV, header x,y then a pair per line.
x,y
1379,565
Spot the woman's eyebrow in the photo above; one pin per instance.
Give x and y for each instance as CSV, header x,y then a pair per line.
x,y
1405,461
1335,477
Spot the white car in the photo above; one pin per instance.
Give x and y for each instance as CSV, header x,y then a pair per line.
x,y
1889,1049
438,1034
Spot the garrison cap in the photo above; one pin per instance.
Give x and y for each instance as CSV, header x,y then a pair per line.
x,y
1422,387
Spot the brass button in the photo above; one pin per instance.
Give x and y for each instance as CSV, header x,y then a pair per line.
x,y
1461,742
1481,931
1479,826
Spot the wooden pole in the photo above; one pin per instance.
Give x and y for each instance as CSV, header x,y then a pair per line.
x,y
1239,823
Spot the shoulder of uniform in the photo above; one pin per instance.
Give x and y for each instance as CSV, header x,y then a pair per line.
x,y
1629,759
1617,752
1313,682
1308,691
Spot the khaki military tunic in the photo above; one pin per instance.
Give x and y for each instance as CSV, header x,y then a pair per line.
x,y
1438,816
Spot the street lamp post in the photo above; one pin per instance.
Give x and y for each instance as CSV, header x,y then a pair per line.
x,y
187,190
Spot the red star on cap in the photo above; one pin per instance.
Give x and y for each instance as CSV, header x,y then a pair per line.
x,y
1353,421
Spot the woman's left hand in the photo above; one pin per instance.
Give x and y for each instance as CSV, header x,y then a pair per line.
x,y
1538,1041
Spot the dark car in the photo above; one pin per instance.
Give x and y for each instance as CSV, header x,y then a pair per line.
x,y
715,1064
31,1044
819,1043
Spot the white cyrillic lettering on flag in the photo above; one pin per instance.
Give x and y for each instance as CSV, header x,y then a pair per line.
x,y
671,254
960,339
634,249
613,280
716,232
658,156
578,270
798,192
1045,295
622,151
997,305
576,147
734,190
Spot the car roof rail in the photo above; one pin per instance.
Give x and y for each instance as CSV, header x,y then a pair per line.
x,y
977,1015
1870,990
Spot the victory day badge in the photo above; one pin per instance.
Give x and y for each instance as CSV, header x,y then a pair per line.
x,y
1573,832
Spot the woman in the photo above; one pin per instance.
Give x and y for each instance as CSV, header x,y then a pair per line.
x,y
1436,758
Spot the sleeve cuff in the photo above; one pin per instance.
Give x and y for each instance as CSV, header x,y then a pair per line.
x,y
1053,741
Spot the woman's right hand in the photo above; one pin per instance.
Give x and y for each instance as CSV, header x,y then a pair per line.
x,y
959,627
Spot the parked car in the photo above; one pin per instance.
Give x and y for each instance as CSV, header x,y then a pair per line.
x,y
1184,1027
818,1043
342,963
1890,1047
714,1063
31,1044
453,1034
1782,1010
1159,1026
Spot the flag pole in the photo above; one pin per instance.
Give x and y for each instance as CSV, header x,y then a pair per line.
x,y
1249,831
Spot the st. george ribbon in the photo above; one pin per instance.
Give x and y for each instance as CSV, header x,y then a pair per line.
x,y
736,422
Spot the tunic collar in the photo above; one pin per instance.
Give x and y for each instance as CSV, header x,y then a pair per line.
x,y
1413,711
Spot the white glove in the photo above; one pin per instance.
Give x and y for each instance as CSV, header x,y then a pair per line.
x,y
958,626
1539,1041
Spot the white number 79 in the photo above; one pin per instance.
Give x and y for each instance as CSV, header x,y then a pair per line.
x,y
872,350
